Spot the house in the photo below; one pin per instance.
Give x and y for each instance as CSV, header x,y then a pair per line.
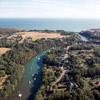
x,y
95,84
62,68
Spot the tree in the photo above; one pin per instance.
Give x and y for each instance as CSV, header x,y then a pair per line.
x,y
39,96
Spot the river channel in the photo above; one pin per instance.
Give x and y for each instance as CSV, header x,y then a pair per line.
x,y
31,79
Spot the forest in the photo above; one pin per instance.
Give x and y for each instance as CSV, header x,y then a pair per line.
x,y
81,80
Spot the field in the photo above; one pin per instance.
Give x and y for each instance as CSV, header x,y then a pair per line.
x,y
2,81
3,50
37,35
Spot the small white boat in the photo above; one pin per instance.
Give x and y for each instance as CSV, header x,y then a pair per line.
x,y
32,75
29,82
34,79
38,58
19,95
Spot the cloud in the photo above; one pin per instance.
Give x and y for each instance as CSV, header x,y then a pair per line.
x,y
50,8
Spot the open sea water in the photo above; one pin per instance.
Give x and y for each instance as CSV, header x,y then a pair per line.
x,y
74,25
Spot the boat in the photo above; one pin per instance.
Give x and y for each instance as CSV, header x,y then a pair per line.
x,y
20,95
29,82
38,58
32,75
34,79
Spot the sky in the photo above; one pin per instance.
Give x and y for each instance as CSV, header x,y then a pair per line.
x,y
49,8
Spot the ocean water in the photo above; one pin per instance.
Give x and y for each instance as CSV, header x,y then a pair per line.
x,y
75,25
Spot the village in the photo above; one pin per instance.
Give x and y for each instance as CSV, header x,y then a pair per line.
x,y
67,70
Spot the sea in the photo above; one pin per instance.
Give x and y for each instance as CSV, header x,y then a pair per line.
x,y
75,25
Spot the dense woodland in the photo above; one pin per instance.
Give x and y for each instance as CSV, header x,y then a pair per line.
x,y
83,66
12,62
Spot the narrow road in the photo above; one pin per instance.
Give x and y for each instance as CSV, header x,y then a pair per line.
x,y
66,54
64,71
59,79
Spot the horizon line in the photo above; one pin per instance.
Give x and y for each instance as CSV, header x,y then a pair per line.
x,y
45,18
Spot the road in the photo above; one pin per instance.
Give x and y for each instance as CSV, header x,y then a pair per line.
x,y
64,71
60,77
